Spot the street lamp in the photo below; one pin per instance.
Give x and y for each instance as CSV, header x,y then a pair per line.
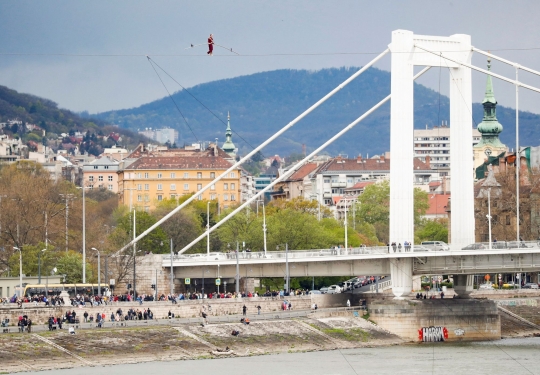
x,y
489,215
39,265
208,230
264,224
98,270
84,232
20,271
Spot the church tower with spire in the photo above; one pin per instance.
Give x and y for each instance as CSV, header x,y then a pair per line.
x,y
228,146
490,128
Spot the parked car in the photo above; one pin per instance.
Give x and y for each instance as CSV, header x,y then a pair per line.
x,y
510,284
334,289
436,245
324,290
315,292
417,248
530,286
475,246
516,245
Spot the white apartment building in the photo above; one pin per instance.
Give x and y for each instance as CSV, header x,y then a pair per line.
x,y
435,143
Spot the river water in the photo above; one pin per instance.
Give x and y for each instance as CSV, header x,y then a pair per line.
x,y
508,356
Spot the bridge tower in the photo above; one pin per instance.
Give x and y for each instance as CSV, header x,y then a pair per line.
x,y
405,56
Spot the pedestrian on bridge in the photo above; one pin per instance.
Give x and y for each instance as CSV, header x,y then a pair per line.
x,y
244,309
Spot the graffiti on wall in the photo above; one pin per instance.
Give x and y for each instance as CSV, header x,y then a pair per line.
x,y
459,332
432,334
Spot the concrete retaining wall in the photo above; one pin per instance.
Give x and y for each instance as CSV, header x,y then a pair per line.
x,y
184,309
438,320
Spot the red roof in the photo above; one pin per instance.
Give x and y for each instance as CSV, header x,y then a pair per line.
x,y
435,183
437,204
361,185
336,200
303,172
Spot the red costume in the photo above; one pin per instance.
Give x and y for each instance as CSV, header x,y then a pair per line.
x,y
210,44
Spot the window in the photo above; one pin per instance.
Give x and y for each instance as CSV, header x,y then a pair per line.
x,y
91,178
199,175
212,197
147,209
146,175
146,187
146,198
159,175
213,187
110,187
173,196
233,175
160,186
199,187
232,187
507,219
225,186
91,187
186,186
326,180
100,178
109,178
139,198
96,167
173,186
225,197
160,197
199,197
139,186
173,175
139,175
233,197
212,175
186,175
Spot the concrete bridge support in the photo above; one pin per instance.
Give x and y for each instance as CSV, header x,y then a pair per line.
x,y
401,271
463,285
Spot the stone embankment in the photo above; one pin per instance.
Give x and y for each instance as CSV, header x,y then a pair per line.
x,y
317,331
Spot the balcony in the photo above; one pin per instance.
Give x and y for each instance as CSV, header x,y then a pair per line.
x,y
338,184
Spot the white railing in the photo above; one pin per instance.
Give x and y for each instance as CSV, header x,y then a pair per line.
x,y
341,252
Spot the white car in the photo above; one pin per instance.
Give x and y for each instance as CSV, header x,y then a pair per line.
x,y
324,290
486,286
334,289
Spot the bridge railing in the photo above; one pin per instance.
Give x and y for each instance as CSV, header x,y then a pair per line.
x,y
340,252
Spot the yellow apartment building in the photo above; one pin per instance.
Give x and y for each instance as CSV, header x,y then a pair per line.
x,y
165,174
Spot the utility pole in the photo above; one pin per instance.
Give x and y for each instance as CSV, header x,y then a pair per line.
x,y
67,198
345,203
208,230
518,163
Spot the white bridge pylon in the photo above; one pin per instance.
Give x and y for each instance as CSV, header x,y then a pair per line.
x,y
408,50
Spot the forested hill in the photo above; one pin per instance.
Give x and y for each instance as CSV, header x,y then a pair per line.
x,y
262,103
46,115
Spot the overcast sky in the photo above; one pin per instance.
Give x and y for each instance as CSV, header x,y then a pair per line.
x,y
38,39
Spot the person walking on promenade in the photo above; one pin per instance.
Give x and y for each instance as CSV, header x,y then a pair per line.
x,y
244,309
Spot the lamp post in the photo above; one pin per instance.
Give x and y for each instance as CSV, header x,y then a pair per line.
x,y
39,265
98,271
84,232
20,271
264,224
208,230
345,223
134,256
489,216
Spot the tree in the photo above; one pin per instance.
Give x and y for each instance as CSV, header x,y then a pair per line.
x,y
375,207
154,242
432,230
